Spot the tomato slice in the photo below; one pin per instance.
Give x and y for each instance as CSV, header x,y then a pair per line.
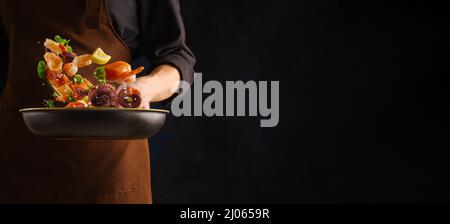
x,y
78,104
119,71
116,70
63,48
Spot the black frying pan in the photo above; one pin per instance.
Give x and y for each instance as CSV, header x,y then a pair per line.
x,y
94,123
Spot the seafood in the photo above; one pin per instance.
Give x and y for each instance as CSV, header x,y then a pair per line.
x,y
54,62
53,46
120,71
104,95
78,104
60,69
68,57
130,98
83,60
130,79
99,57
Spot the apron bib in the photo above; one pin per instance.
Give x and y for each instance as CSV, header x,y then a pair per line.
x,y
40,170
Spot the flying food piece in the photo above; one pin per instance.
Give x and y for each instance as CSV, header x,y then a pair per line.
x,y
53,46
103,95
68,57
119,71
54,62
78,104
70,69
60,69
83,60
130,98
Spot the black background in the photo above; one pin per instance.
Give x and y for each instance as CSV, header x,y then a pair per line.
x,y
364,105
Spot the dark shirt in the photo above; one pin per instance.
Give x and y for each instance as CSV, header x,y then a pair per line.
x,y
151,28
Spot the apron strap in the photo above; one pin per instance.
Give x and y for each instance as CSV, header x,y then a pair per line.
x,y
93,13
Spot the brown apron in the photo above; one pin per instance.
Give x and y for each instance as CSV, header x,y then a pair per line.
x,y
39,170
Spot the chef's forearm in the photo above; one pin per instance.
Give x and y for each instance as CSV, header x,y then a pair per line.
x,y
161,84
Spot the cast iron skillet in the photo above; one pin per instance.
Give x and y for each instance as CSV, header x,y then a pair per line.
x,y
94,123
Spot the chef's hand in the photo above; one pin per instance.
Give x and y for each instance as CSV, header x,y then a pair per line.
x,y
159,85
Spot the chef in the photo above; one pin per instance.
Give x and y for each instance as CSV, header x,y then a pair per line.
x,y
39,170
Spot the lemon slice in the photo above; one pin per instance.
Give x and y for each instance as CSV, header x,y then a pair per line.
x,y
99,57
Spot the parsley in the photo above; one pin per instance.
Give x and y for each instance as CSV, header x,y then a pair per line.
x,y
58,39
49,103
100,74
41,68
71,98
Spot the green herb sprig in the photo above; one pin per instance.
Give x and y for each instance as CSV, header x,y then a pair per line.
x,y
49,103
64,42
100,74
41,68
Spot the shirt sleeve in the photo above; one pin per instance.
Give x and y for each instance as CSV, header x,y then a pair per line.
x,y
162,36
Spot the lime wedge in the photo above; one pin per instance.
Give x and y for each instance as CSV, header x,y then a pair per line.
x,y
99,57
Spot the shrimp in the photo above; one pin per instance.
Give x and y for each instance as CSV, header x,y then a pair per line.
x,y
82,60
70,69
53,46
54,62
